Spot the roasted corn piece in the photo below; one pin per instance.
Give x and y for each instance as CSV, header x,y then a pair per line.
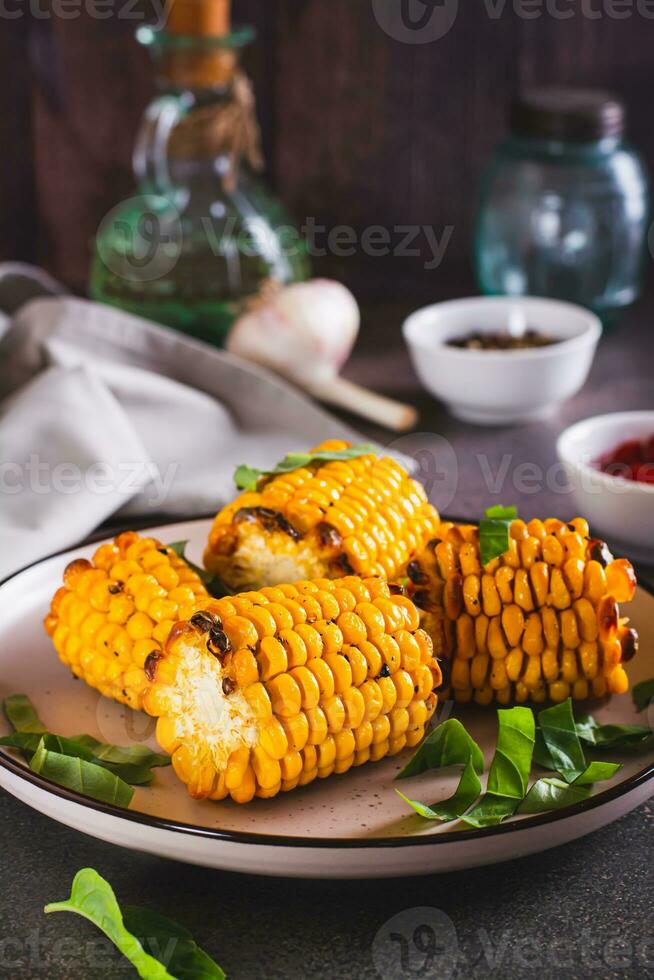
x,y
114,611
362,516
262,692
541,622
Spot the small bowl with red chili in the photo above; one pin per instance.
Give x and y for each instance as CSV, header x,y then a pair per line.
x,y
609,462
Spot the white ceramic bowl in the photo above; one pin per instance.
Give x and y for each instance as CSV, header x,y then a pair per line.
x,y
502,387
621,509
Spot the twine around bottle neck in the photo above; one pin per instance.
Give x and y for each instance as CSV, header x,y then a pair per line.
x,y
229,130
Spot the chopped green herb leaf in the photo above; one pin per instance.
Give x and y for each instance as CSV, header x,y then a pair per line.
x,y
93,898
597,772
22,715
157,947
643,694
466,793
557,725
135,775
172,944
508,777
247,477
552,793
494,532
80,775
611,738
131,764
500,513
448,745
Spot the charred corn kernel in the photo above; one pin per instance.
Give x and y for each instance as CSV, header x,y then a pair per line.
x,y
243,722
542,617
113,613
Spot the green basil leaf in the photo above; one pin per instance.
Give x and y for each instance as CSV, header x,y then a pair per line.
x,y
500,513
643,694
132,773
247,477
542,755
508,777
25,741
93,898
448,745
128,755
495,532
511,766
612,738
170,943
80,775
466,793
552,793
22,715
491,811
597,772
559,731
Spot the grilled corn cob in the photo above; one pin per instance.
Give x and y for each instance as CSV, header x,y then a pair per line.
x,y
540,622
265,691
113,612
362,516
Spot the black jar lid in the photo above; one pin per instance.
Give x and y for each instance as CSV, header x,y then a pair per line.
x,y
573,115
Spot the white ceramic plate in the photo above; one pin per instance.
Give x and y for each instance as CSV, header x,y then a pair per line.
x,y
351,826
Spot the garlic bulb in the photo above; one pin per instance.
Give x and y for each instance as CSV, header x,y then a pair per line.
x,y
306,333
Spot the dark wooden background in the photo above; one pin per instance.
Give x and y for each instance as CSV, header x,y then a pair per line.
x,y
358,128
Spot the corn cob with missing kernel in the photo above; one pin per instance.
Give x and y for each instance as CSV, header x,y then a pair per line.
x,y
362,516
113,612
266,691
541,622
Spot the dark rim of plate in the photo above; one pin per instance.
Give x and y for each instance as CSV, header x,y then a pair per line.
x,y
331,843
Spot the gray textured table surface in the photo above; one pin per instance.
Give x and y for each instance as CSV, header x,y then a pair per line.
x,y
582,911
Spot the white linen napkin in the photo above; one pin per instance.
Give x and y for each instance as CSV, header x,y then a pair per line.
x,y
102,412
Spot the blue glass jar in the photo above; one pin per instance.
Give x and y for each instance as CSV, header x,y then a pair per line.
x,y
564,208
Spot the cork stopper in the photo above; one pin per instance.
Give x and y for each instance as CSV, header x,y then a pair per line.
x,y
199,18
203,65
